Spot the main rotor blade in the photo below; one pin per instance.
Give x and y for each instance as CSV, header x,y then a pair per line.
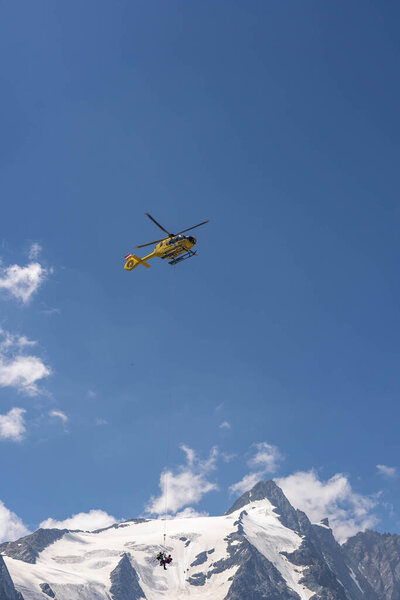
x,y
150,243
194,227
158,225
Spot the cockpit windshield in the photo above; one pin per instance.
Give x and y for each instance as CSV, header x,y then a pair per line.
x,y
175,239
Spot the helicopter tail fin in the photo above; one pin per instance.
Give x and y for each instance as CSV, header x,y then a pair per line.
x,y
132,261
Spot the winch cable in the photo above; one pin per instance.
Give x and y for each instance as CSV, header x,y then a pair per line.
x,y
170,400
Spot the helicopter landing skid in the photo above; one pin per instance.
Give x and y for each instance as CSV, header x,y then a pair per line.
x,y
185,256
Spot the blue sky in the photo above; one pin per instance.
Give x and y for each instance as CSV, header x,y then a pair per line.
x,y
279,123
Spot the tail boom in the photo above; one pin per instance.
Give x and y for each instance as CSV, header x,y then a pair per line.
x,y
132,261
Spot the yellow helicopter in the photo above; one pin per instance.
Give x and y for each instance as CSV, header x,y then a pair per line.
x,y
175,248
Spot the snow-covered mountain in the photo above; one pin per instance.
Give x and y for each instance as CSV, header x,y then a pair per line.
x,y
261,549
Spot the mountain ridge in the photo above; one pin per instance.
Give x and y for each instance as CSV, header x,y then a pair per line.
x,y
262,548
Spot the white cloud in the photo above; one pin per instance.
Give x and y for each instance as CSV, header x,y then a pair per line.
x,y
100,421
265,460
18,370
91,394
225,425
245,484
190,513
59,414
12,425
11,526
348,511
390,472
90,521
22,373
34,251
23,282
185,487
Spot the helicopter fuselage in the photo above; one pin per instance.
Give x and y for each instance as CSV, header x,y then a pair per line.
x,y
175,246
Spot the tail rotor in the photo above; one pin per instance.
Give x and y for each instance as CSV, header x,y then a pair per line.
x,y
132,261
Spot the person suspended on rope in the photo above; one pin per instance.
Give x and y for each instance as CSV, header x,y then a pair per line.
x,y
163,559
166,560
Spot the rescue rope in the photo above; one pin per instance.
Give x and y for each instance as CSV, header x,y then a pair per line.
x,y
170,401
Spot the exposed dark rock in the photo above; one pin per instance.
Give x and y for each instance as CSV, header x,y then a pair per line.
x,y
119,525
125,581
377,558
200,559
136,521
336,559
197,579
7,589
46,589
29,547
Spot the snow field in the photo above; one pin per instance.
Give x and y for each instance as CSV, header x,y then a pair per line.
x,y
79,565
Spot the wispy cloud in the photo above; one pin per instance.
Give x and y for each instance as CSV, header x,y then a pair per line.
x,y
12,425
34,251
90,521
11,526
227,457
100,421
17,369
9,342
51,311
225,425
390,472
265,460
59,414
22,282
186,486
348,511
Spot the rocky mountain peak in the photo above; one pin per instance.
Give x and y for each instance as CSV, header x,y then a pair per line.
x,y
269,490
263,490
